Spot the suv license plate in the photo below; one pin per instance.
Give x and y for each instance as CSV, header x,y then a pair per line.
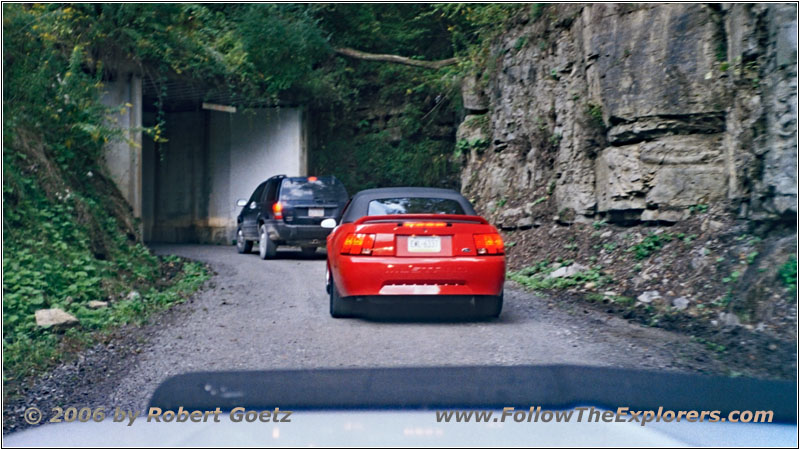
x,y
424,244
316,212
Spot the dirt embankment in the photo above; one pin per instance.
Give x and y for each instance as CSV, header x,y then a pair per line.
x,y
725,284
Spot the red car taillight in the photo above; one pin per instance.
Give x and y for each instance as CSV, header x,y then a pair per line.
x,y
277,210
489,244
358,244
368,244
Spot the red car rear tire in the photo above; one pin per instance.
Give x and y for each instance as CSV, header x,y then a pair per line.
x,y
339,308
494,306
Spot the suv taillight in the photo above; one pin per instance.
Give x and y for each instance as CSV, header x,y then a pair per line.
x,y
277,210
358,244
489,244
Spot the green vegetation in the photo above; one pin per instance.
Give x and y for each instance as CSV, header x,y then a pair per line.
x,y
650,244
70,237
713,346
535,277
688,239
620,300
555,139
537,9
464,146
595,113
377,123
27,350
551,187
542,267
725,300
751,71
521,42
732,277
721,51
409,111
538,200
787,273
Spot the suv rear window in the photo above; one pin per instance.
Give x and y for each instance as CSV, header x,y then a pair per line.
x,y
414,205
294,189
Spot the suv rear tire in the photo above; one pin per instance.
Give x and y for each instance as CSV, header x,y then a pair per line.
x,y
308,251
242,244
266,248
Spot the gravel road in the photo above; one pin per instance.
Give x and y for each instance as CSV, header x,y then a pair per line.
x,y
274,315
256,314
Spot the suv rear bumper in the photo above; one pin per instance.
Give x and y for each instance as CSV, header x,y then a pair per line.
x,y
299,234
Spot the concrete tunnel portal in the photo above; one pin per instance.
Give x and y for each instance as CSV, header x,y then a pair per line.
x,y
184,190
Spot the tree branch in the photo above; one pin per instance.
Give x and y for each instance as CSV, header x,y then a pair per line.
x,y
395,59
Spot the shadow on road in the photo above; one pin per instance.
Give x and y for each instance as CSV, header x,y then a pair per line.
x,y
421,313
294,254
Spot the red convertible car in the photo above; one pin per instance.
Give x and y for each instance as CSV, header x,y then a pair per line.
x,y
412,245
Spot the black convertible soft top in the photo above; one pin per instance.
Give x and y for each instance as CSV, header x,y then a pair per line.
x,y
359,205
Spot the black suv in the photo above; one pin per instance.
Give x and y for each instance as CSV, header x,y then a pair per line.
x,y
288,211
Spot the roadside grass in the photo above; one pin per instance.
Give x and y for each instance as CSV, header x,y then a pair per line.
x,y
535,277
29,354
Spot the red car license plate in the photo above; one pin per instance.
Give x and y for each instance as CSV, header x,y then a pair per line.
x,y
424,244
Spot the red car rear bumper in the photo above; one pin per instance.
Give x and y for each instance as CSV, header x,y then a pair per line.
x,y
375,275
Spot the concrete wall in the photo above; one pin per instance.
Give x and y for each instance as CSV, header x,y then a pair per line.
x,y
192,182
123,158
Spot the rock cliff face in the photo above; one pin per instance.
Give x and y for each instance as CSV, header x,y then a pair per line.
x,y
635,113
